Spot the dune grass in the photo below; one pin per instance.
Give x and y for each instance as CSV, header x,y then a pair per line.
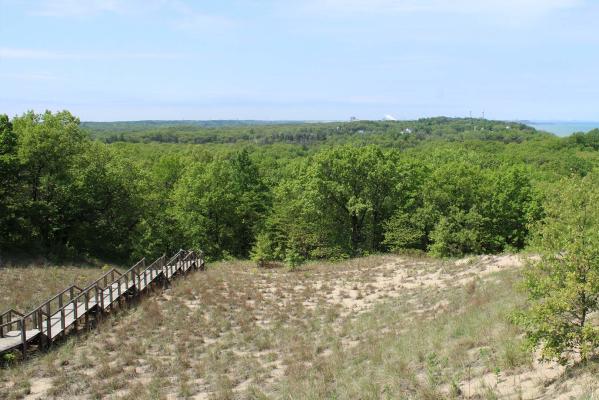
x,y
370,328
25,287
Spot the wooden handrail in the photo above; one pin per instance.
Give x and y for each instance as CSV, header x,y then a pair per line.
x,y
11,311
41,316
175,257
45,304
111,271
74,300
9,323
135,266
57,296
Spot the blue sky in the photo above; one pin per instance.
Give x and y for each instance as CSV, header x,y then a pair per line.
x,y
311,59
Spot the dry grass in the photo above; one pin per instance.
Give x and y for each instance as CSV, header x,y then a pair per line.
x,y
370,328
25,287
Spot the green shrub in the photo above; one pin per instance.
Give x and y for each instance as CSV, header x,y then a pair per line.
x,y
563,287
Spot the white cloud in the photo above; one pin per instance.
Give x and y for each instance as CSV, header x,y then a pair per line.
x,y
180,14
76,8
12,53
7,53
527,8
30,76
188,18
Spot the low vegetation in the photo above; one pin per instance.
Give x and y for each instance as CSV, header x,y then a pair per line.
x,y
375,327
25,287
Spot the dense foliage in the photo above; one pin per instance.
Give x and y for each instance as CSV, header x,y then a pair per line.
x,y
397,133
280,191
563,286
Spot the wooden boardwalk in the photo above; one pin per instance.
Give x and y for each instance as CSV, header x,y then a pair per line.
x,y
74,306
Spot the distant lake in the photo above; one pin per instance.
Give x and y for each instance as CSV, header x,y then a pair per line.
x,y
562,128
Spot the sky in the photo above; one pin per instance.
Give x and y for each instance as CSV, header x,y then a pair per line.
x,y
301,60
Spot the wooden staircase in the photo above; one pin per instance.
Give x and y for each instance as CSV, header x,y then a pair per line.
x,y
66,311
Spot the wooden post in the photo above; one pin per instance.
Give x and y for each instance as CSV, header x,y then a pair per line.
x,y
23,337
86,297
110,296
102,300
100,313
75,315
60,304
98,302
133,275
48,323
62,321
40,319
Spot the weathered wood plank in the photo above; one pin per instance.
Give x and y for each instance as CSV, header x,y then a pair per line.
x,y
12,339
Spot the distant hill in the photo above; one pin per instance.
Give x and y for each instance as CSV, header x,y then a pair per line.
x,y
389,133
151,124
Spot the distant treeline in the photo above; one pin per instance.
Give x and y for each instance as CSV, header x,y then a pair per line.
x,y
278,192
391,133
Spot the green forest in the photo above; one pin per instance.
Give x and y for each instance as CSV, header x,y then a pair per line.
x,y
277,192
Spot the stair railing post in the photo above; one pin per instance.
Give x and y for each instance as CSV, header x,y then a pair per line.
x,y
133,278
60,306
72,297
40,321
75,315
110,295
145,280
118,289
62,320
48,323
86,297
23,337
101,300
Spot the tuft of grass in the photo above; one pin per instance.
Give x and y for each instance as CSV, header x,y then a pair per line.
x,y
24,288
378,327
